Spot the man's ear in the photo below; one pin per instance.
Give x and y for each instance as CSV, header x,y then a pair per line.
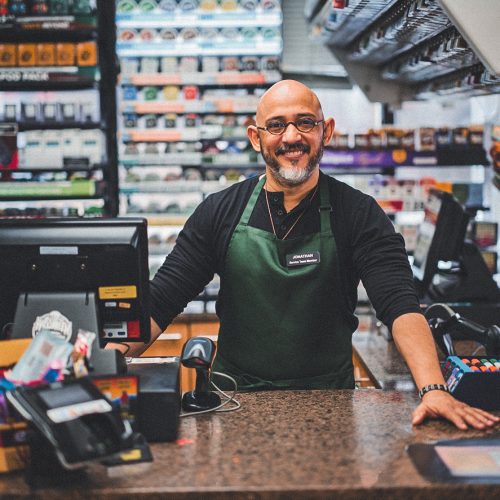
x,y
328,131
253,135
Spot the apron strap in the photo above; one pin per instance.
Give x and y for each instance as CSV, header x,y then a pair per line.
x,y
325,208
245,217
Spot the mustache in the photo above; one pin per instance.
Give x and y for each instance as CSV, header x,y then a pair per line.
x,y
292,148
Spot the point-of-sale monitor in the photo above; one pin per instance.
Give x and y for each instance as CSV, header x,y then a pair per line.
x,y
440,237
84,267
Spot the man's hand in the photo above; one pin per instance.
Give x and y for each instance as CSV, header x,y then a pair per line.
x,y
437,404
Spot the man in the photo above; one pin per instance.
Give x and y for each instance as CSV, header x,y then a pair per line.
x,y
290,249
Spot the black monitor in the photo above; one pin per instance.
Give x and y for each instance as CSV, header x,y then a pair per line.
x,y
441,239
440,236
94,271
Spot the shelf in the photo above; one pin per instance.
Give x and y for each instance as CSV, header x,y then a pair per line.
x,y
221,105
35,26
411,49
41,125
160,135
200,132
341,27
181,49
156,219
48,190
201,78
180,186
197,159
64,168
48,78
199,19
194,159
451,156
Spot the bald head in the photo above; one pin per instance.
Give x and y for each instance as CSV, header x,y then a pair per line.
x,y
283,96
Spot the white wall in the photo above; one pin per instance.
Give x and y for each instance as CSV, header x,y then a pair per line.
x,y
352,111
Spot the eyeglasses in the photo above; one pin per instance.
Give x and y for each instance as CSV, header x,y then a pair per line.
x,y
304,125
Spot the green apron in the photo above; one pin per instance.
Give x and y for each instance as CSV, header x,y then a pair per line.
x,y
283,326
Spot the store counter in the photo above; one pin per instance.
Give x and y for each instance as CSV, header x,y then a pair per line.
x,y
283,444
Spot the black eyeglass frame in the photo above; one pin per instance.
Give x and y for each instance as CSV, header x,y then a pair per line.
x,y
316,122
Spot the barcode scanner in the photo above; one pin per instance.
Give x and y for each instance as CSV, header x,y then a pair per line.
x,y
198,353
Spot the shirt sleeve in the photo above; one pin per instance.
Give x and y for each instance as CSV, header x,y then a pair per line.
x,y
380,257
187,269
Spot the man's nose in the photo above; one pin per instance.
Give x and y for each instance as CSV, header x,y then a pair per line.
x,y
291,133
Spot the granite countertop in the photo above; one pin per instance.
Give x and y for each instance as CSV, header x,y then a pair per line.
x,y
281,445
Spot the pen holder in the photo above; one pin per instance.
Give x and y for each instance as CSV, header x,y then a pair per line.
x,y
474,380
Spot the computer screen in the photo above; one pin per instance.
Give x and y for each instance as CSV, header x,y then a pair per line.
x,y
48,262
440,236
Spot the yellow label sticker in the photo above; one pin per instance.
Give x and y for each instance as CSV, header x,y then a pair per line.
x,y
131,455
118,292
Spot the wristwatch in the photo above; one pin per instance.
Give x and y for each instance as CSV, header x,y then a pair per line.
x,y
432,387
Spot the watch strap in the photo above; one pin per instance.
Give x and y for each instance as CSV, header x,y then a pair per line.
x,y
432,387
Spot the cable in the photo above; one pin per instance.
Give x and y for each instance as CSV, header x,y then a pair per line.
x,y
446,307
230,399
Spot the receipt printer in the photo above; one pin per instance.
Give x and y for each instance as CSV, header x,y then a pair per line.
x,y
159,400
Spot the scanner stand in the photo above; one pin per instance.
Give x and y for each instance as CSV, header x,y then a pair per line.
x,y
81,309
452,326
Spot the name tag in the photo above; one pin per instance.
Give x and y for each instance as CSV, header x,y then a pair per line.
x,y
302,259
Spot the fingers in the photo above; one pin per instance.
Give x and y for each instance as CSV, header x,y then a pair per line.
x,y
418,415
460,414
422,412
475,417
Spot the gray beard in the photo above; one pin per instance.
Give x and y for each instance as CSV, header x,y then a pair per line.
x,y
291,176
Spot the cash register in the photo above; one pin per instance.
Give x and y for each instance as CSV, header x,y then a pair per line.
x,y
95,272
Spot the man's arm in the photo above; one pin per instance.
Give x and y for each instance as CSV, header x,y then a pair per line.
x,y
135,349
414,340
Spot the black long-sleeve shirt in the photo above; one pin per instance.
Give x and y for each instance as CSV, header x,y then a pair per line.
x,y
368,248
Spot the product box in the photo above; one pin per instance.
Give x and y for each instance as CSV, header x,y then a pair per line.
x,y
14,449
92,145
361,141
26,54
149,65
65,54
476,135
29,111
32,152
169,65
8,146
51,111
59,7
474,380
11,351
460,136
86,54
69,111
426,139
52,148
8,54
70,144
46,54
